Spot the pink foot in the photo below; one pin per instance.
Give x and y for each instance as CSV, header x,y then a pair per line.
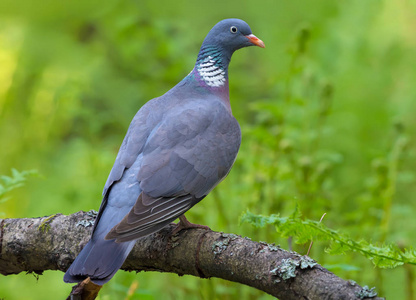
x,y
185,224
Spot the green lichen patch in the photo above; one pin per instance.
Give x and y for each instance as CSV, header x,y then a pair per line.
x,y
221,244
174,241
307,262
287,268
352,282
85,223
46,224
260,277
366,292
273,247
92,214
231,236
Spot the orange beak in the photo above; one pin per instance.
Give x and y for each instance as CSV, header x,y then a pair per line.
x,y
255,40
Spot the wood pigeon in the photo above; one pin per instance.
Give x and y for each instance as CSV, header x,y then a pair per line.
x,y
178,147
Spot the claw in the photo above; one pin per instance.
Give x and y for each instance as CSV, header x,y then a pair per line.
x,y
185,224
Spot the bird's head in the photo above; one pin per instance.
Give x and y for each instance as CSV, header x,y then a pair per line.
x,y
231,35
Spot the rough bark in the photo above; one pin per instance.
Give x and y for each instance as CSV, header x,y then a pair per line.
x,y
52,243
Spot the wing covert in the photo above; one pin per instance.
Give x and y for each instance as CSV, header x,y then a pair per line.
x,y
191,151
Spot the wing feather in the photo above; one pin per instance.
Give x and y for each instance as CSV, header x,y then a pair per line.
x,y
149,217
191,151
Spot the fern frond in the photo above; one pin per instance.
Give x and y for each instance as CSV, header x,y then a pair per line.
x,y
302,231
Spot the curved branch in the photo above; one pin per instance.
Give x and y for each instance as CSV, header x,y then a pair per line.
x,y
51,243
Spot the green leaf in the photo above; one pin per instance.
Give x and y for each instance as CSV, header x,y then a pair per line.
x,y
16,180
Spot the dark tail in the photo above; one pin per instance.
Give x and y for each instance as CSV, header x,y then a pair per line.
x,y
100,260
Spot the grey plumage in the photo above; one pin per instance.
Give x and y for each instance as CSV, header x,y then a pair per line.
x,y
177,149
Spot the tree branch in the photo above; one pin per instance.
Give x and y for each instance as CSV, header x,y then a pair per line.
x,y
52,243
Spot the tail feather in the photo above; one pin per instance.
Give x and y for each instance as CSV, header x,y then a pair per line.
x,y
99,260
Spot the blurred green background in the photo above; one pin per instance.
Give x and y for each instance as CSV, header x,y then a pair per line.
x,y
327,111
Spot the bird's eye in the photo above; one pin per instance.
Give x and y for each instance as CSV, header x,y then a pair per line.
x,y
233,29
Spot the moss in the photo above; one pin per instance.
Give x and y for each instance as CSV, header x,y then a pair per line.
x,y
46,224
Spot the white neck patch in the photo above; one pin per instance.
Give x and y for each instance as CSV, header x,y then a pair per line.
x,y
212,74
